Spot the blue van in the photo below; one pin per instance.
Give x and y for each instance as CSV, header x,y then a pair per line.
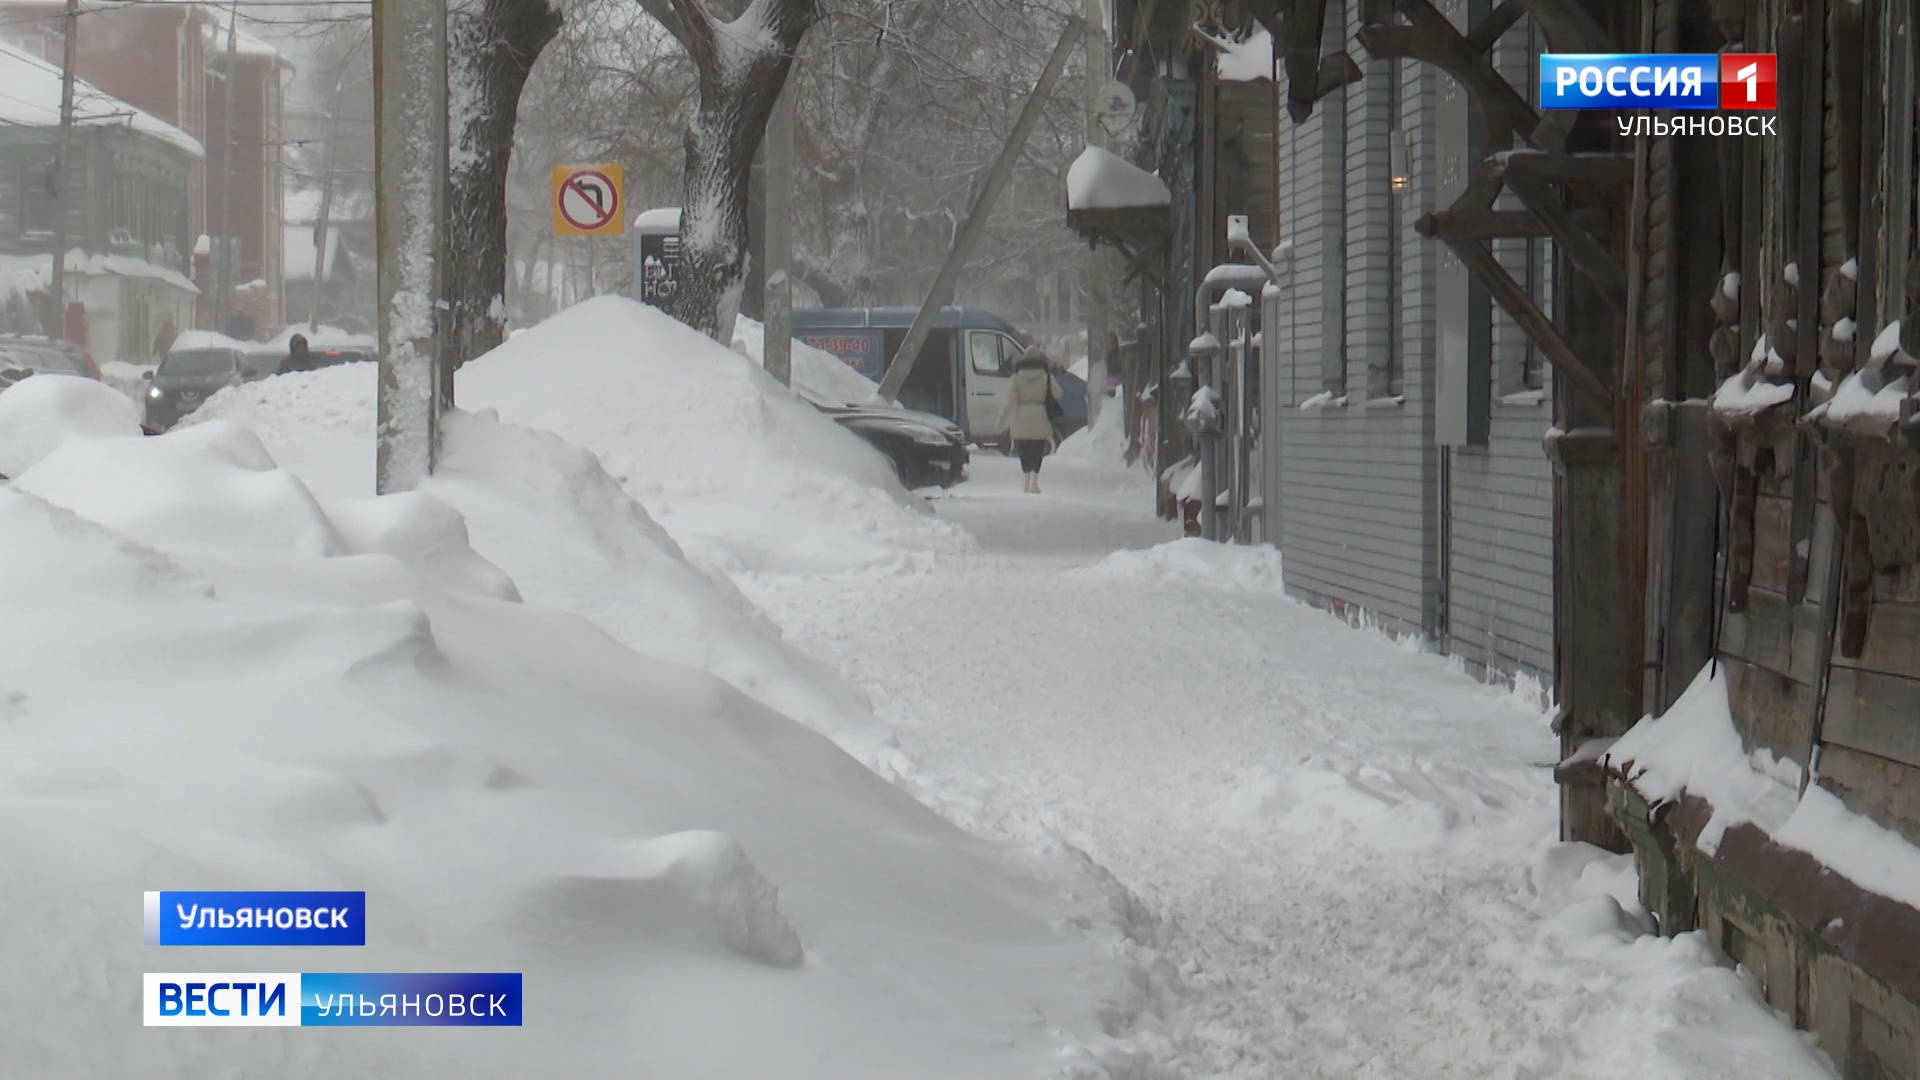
x,y
964,369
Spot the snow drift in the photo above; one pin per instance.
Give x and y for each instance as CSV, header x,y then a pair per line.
x,y
210,678
569,535
1101,446
818,375
1199,565
746,476
39,415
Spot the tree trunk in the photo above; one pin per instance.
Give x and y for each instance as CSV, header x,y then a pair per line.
x,y
753,294
713,227
743,65
492,45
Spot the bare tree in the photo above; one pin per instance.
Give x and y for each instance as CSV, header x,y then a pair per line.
x,y
492,46
742,63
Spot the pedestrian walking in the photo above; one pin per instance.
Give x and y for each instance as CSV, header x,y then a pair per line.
x,y
299,354
1035,402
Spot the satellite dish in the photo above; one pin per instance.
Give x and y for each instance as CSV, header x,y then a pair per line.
x,y
1116,106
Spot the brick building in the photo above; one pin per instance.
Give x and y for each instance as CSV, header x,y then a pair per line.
x,y
169,60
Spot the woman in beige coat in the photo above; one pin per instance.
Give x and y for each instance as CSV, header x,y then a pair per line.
x,y
1030,428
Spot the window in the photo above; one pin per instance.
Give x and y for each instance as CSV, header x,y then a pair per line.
x,y
985,351
1533,365
1387,381
1539,250
36,198
1327,216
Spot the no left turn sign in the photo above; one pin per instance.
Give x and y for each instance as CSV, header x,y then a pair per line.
x,y
586,200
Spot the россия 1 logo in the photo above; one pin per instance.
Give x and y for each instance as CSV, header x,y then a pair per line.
x,y
1658,81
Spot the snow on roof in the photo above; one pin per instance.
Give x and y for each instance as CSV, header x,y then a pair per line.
x,y
22,274
32,99
1243,61
1100,180
667,217
244,44
196,340
297,252
1696,749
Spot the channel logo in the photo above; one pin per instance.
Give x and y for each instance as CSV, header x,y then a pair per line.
x,y
330,999
1659,81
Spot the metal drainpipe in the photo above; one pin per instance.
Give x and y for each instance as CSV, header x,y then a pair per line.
x,y
1210,317
1242,414
1210,447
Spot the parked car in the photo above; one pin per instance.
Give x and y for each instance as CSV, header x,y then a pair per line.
x,y
965,370
46,356
925,450
189,376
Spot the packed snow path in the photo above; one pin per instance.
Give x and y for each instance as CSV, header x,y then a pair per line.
x,y
1351,842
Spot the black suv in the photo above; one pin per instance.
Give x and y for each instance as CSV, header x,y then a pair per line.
x,y
188,377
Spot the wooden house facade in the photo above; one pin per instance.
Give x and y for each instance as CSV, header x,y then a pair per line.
x,y
1727,329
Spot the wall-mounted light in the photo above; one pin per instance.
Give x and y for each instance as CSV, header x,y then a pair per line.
x,y
1400,176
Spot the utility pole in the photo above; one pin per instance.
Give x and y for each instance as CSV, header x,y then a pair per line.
x,y
57,287
976,223
326,203
778,341
1097,315
410,179
223,245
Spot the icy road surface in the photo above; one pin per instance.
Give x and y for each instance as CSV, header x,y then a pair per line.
x,y
1351,843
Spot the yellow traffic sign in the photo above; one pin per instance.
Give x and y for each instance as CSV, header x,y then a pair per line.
x,y
587,200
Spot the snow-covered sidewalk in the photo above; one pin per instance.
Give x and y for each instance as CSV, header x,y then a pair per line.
x,y
1351,842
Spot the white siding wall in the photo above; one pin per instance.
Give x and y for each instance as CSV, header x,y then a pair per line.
x,y
1358,498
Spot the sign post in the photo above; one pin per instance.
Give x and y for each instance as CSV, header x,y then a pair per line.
x,y
587,200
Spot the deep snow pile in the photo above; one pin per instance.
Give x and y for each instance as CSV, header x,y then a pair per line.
x,y
1101,445
318,425
39,414
818,375
1198,565
746,476
211,679
549,514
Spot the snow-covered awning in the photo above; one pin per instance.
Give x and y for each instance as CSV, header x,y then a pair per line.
x,y
1100,180
1112,201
